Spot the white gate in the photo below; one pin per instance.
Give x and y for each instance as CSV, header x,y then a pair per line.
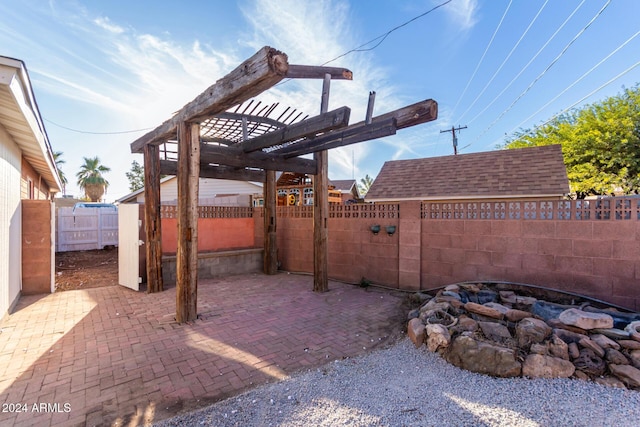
x,y
128,246
82,229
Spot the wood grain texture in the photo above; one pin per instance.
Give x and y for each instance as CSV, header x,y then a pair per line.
x,y
153,228
170,167
270,245
255,75
232,157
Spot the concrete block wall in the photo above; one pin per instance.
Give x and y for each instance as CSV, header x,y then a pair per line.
x,y
38,247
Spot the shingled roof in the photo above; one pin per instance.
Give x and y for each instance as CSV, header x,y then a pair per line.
x,y
523,172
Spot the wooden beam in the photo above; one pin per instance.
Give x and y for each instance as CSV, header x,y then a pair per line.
x,y
230,156
311,127
270,259
187,254
351,135
169,167
255,75
411,115
318,72
153,228
321,208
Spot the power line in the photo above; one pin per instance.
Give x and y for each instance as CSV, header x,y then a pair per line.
x,y
483,55
586,96
495,74
542,73
96,133
528,63
577,81
453,136
382,37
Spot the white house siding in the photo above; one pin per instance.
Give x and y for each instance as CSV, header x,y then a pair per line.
x,y
208,190
10,222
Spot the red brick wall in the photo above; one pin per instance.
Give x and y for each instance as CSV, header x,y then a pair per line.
x,y
214,234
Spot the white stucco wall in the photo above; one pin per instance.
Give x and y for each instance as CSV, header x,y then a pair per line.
x,y
10,222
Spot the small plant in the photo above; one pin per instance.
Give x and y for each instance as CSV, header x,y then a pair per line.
x,y
364,283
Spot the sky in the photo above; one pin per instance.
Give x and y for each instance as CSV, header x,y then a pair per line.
x,y
106,72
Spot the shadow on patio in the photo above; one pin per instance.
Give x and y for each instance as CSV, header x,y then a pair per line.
x,y
117,357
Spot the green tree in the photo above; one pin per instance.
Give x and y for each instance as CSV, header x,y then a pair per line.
x,y
135,176
600,143
90,178
57,158
365,185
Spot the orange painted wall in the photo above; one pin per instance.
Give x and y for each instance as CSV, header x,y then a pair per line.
x,y
214,234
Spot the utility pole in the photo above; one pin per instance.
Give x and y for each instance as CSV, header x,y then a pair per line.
x,y
455,139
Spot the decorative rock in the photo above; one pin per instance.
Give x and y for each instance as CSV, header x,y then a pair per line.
x,y
604,342
630,344
558,348
420,297
451,294
437,337
547,310
467,324
589,363
514,315
416,332
434,305
501,308
555,323
455,303
485,296
620,319
610,382
581,375
495,331
585,320
616,334
587,343
413,314
634,356
627,374
574,351
539,366
483,358
482,310
508,297
530,331
614,356
470,287
538,349
525,302
430,317
568,336
452,288
634,330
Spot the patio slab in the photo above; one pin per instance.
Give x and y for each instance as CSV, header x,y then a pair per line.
x,y
112,356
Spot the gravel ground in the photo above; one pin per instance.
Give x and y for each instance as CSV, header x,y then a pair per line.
x,y
402,386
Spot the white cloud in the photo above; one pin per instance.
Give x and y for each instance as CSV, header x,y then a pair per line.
x,y
106,24
463,13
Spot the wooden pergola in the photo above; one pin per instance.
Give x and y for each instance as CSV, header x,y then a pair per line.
x,y
213,137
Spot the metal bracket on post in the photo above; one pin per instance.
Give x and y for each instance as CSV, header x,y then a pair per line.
x,y
372,99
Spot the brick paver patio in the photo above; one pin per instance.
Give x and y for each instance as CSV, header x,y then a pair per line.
x,y
112,356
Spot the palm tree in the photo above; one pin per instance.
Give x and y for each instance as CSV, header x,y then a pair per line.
x,y
365,185
90,178
57,158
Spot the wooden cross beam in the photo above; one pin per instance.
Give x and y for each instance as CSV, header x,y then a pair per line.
x,y
170,167
255,75
230,156
384,125
335,119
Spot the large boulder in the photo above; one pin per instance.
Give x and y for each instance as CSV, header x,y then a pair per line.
x,y
585,320
539,366
530,331
482,357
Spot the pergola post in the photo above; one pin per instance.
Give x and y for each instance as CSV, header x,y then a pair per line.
x,y
321,207
270,246
187,255
153,227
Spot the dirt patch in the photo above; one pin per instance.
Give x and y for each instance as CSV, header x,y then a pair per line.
x,y
86,269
